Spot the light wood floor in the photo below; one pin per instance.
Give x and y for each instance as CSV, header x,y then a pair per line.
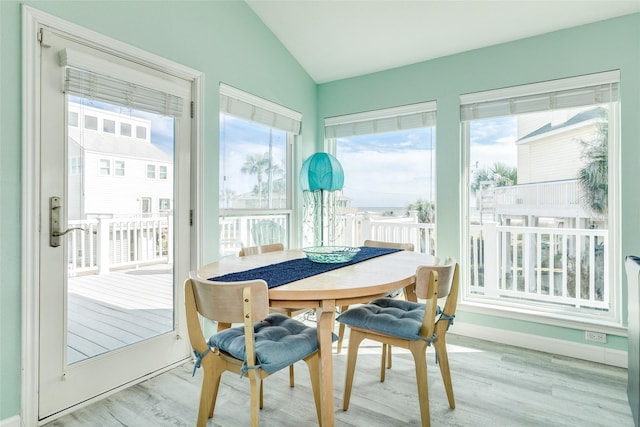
x,y
494,385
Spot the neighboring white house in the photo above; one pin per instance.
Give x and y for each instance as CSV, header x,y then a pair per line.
x,y
549,157
114,169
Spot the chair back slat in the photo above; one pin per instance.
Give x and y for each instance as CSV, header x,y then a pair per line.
x,y
445,279
391,245
253,250
222,301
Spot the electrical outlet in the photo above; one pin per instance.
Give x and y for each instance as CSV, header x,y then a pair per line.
x,y
595,336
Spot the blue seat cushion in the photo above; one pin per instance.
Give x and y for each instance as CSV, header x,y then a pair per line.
x,y
389,316
279,342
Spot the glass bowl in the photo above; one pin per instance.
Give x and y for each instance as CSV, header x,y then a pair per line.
x,y
331,254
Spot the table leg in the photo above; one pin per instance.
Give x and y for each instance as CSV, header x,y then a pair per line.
x,y
325,318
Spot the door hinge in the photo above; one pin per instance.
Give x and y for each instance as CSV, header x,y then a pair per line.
x,y
193,109
191,217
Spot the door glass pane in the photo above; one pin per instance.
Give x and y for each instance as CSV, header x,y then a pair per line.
x,y
120,265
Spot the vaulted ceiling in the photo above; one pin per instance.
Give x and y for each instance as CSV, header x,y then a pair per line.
x,y
336,39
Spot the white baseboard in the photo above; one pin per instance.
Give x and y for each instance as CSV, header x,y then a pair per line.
x,y
539,343
11,422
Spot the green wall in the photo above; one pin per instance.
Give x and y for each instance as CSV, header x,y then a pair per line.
x,y
223,39
607,45
227,42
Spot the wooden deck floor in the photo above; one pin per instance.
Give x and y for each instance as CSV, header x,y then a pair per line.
x,y
110,311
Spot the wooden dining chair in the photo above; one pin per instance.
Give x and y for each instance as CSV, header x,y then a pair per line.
x,y
291,312
374,244
254,250
410,325
264,344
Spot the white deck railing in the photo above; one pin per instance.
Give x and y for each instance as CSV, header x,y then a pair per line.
x,y
559,265
108,243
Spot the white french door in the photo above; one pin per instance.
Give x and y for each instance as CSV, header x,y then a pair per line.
x,y
114,244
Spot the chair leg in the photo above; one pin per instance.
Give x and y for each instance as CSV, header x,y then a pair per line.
x,y
341,329
314,374
385,362
419,352
291,373
383,365
443,360
355,338
212,371
255,384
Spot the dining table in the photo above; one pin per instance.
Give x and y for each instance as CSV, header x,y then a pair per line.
x,y
346,284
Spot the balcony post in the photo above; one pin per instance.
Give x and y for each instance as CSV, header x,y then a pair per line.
x,y
366,227
490,234
102,246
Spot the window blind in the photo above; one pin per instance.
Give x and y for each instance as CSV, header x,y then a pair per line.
x,y
259,110
380,121
96,78
563,93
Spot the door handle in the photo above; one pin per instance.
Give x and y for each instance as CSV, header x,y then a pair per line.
x,y
55,206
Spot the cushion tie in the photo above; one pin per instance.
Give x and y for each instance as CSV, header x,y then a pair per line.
x,y
199,357
449,317
245,369
429,340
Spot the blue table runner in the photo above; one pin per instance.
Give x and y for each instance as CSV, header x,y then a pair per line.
x,y
297,269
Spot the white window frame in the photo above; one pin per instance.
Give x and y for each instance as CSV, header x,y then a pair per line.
x,y
252,108
104,167
531,312
116,167
151,167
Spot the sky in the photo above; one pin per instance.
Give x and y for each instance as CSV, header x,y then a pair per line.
x,y
388,170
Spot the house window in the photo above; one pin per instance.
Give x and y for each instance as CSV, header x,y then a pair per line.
x,y
162,172
73,119
109,126
118,168
145,205
388,158
90,122
540,196
151,171
141,132
105,167
125,129
75,165
256,143
164,205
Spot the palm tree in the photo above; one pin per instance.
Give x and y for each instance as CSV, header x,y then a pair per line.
x,y
256,164
500,175
426,210
593,176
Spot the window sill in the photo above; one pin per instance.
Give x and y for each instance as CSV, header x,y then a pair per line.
x,y
566,320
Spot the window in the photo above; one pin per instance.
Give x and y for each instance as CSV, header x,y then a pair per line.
x,y
118,168
388,158
91,122
109,126
125,129
73,119
151,171
105,167
75,165
162,172
145,205
164,205
256,140
540,195
141,132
